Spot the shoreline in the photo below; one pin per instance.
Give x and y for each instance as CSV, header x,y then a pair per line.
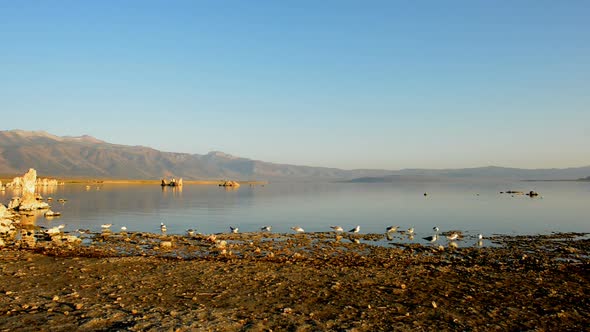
x,y
298,282
95,181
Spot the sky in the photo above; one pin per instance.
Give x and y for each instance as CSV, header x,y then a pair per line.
x,y
347,84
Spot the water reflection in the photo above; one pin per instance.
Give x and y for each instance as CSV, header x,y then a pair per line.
x,y
471,208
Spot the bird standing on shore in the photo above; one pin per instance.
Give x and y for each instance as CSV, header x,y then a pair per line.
x,y
411,230
337,228
163,227
453,236
298,229
431,238
106,226
123,228
234,230
55,230
266,228
356,229
190,232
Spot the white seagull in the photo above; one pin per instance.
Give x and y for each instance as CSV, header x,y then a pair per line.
x,y
431,238
163,227
337,228
453,236
190,232
298,229
234,230
123,228
435,228
392,229
356,229
106,226
266,228
55,230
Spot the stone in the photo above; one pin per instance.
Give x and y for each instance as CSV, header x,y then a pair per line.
x,y
29,200
230,183
14,203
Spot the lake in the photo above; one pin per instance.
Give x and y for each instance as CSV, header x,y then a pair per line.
x,y
472,207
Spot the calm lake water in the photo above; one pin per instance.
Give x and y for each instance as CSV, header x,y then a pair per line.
x,y
470,207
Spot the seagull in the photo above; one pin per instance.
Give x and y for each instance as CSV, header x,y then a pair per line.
x,y
392,229
163,227
298,229
53,231
356,229
266,228
106,226
234,230
190,232
337,228
453,236
411,230
479,237
431,238
435,228
123,228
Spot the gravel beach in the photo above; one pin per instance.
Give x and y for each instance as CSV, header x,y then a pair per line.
x,y
302,282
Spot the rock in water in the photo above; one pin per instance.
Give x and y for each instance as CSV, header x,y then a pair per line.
x,y
29,201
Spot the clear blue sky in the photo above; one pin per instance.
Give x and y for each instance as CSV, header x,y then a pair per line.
x,y
349,84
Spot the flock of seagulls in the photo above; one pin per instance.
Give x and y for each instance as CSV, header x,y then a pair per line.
x,y
450,236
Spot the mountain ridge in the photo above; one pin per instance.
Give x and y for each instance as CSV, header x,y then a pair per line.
x,y
87,156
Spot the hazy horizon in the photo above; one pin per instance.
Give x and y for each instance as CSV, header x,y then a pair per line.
x,y
378,85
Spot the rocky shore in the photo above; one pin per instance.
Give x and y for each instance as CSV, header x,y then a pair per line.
x,y
300,282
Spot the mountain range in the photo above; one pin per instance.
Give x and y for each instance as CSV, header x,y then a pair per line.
x,y
89,157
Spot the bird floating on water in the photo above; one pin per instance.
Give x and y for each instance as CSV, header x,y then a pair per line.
x,y
298,229
163,227
234,230
356,229
337,228
411,230
123,228
391,229
106,226
266,228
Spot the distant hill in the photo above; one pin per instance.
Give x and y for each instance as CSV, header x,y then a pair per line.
x,y
89,157
86,156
